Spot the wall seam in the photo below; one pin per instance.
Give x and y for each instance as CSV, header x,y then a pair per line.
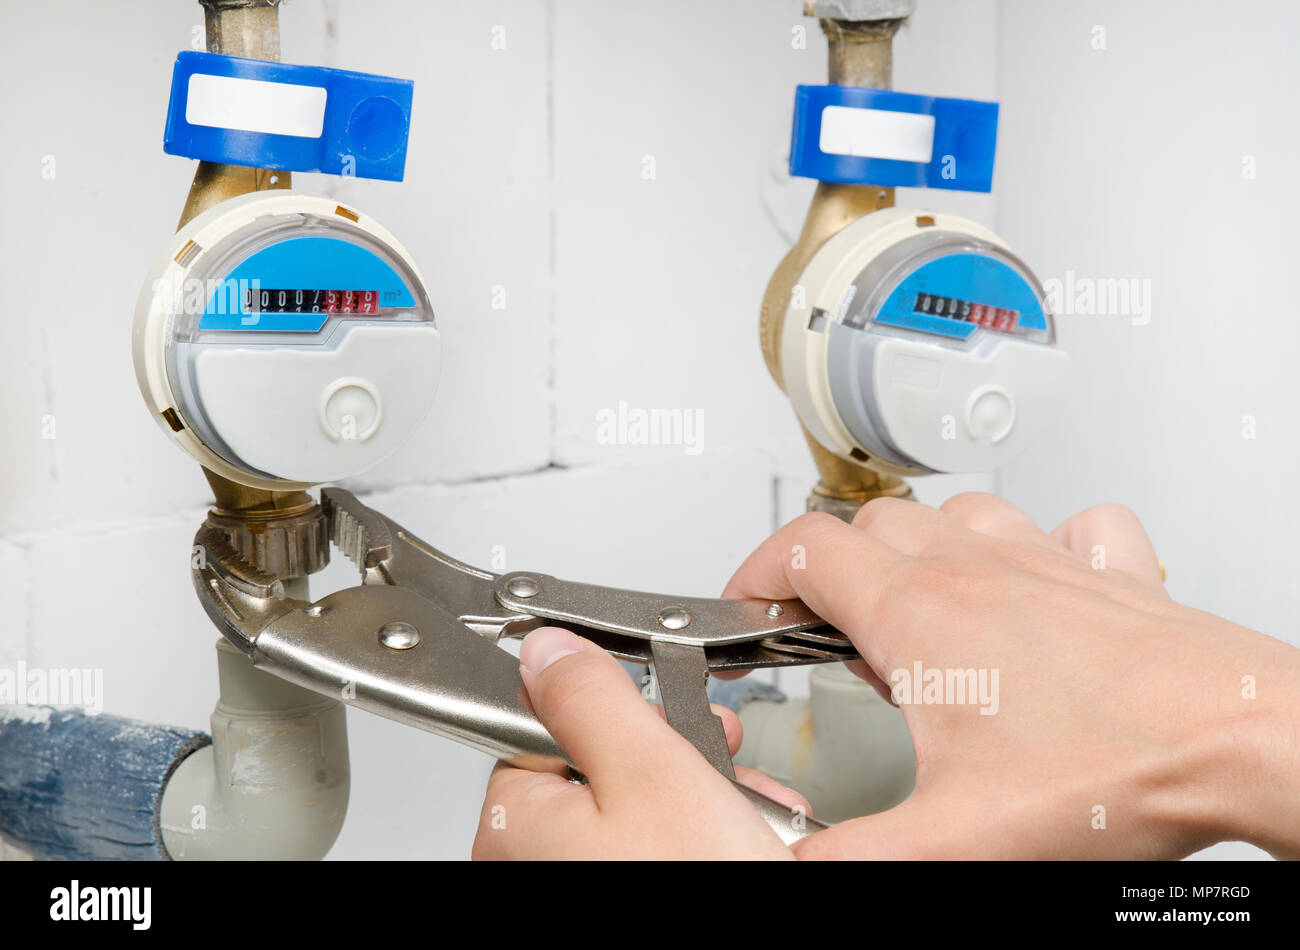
x,y
195,515
552,232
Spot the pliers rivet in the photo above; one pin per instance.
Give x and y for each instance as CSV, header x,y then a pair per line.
x,y
523,587
398,635
674,618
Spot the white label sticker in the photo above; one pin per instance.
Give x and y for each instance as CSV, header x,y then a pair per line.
x,y
876,133
251,105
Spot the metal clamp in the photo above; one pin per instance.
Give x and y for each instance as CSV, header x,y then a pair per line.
x,y
416,641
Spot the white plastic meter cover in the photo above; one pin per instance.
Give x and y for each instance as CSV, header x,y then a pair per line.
x,y
286,340
916,342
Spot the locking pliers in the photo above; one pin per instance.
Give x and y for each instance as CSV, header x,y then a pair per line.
x,y
416,641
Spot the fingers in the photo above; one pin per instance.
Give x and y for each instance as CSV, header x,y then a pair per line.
x,y
835,569
525,809
907,526
1111,536
994,517
919,530
598,716
766,785
863,671
924,827
623,744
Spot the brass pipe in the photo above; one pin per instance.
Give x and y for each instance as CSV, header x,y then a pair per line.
x,y
248,28
214,183
858,54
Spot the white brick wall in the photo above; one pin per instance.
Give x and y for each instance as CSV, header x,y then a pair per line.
x,y
525,172
1141,176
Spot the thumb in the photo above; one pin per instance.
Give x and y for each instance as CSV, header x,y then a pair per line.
x,y
921,828
595,712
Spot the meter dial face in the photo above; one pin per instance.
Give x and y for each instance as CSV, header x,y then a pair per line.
x,y
291,339
950,286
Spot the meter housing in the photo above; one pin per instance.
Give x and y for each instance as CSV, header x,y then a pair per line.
x,y
286,340
916,342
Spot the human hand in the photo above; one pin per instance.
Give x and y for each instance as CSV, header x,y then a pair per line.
x,y
652,795
1119,724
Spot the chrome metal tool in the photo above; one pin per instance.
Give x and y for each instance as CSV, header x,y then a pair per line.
x,y
416,641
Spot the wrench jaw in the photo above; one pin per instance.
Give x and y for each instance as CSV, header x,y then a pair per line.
x,y
451,681
386,553
239,599
454,680
362,534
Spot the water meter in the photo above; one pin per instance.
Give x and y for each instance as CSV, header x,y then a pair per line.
x,y
285,340
918,342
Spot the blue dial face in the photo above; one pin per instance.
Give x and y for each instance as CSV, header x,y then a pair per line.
x,y
954,295
297,284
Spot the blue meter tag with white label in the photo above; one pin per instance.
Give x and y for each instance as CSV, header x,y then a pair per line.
x,y
286,340
295,118
883,137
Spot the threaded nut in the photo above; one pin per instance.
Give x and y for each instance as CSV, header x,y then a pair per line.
x,y
285,547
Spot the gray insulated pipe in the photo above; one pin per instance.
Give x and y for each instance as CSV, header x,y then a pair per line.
x,y
80,787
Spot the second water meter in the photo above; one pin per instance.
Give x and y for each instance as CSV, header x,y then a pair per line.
x,y
917,342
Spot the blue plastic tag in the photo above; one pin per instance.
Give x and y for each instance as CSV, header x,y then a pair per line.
x,y
294,118
860,136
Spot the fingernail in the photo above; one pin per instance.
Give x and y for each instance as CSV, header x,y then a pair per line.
x,y
544,646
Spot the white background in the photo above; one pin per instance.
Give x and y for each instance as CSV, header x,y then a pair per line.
x,y
525,173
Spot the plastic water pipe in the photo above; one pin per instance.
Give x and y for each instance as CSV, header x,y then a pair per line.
x,y
274,783
842,747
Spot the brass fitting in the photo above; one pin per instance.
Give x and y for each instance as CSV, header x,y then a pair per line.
x,y
859,54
